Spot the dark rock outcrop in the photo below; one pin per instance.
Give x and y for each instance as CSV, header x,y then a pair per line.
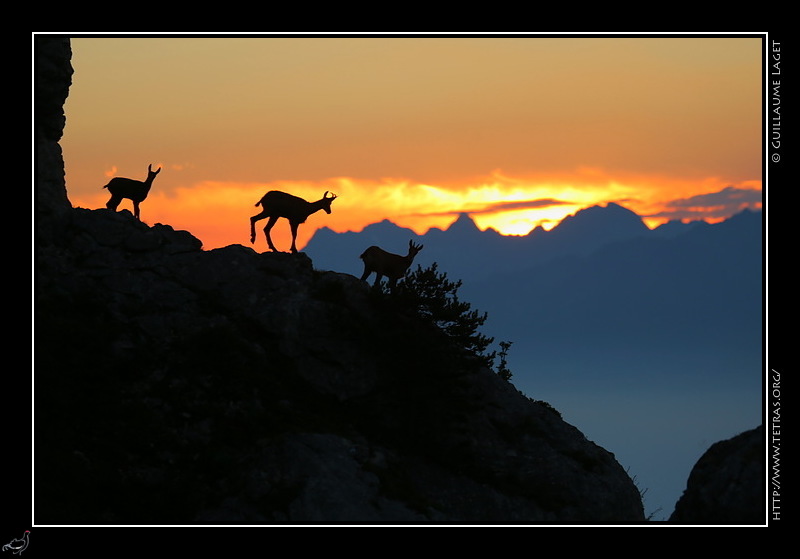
x,y
727,485
182,386
53,79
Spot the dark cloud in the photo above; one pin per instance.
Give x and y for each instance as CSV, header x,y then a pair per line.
x,y
728,196
520,205
725,203
506,207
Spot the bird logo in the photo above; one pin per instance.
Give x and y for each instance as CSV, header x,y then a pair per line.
x,y
17,546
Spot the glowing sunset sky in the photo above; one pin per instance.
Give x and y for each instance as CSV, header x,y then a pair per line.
x,y
518,131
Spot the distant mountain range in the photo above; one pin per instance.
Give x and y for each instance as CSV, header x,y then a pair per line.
x,y
600,277
465,252
697,289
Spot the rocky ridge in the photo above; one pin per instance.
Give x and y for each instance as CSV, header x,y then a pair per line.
x,y
228,386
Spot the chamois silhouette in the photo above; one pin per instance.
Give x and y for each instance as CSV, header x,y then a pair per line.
x,y
135,191
383,263
275,204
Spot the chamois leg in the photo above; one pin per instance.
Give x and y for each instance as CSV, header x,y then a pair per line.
x,y
269,226
253,226
366,273
294,236
136,209
113,202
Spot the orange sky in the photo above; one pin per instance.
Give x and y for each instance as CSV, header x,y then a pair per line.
x,y
518,131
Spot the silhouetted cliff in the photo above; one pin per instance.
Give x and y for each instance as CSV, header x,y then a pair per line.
x,y
728,484
176,385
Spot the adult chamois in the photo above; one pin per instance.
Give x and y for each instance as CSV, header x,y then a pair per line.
x,y
135,191
275,204
383,263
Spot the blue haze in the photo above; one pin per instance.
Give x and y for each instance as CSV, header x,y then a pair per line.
x,y
649,342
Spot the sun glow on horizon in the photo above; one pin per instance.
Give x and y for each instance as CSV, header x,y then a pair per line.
x,y
218,212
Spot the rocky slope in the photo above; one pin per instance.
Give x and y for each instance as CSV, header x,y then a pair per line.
x,y
183,386
728,483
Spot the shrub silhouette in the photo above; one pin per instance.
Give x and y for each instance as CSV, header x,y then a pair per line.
x,y
434,299
502,368
430,350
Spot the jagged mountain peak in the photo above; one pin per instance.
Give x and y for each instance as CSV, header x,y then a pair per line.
x,y
464,224
383,224
602,220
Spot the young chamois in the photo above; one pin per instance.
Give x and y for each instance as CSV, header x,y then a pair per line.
x,y
135,191
277,204
383,263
